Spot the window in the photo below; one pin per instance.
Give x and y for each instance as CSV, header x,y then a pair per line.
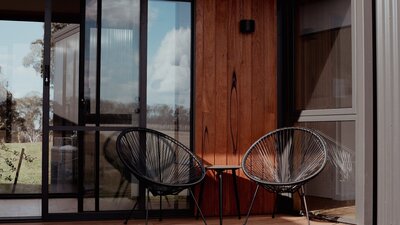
x,y
324,98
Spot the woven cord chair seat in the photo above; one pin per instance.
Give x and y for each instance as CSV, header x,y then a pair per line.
x,y
160,163
285,159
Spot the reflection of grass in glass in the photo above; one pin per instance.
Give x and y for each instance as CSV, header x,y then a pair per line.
x,y
30,172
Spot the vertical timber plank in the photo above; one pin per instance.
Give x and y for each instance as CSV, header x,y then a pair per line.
x,y
199,71
258,74
209,94
233,55
245,79
221,49
200,103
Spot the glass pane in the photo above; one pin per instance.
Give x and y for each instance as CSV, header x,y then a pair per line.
x,y
118,188
323,72
119,82
63,177
90,80
169,68
20,208
21,96
63,205
64,93
89,175
332,192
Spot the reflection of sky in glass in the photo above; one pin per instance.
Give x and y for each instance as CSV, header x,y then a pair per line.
x,y
169,39
120,50
168,53
15,40
119,65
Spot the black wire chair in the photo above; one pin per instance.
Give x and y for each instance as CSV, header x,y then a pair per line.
x,y
160,163
283,160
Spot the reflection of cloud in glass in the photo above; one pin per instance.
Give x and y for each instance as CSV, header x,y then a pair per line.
x,y
169,72
120,65
152,16
14,75
116,13
3,57
91,10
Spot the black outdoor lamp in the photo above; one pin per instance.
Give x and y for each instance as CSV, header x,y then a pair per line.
x,y
247,26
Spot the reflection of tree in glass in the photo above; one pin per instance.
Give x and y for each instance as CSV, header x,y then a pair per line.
x,y
30,108
35,57
115,107
9,116
21,118
11,121
168,117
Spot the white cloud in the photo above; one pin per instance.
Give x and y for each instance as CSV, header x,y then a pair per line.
x,y
152,15
169,70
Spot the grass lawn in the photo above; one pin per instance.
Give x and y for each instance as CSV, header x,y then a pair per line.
x,y
30,172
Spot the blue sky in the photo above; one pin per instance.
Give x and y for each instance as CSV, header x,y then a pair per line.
x,y
14,45
168,54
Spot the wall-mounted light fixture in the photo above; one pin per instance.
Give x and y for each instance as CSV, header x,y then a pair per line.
x,y
247,26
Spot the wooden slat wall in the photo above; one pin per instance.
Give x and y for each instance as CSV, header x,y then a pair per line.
x,y
232,112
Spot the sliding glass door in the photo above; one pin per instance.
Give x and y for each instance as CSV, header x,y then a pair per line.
x,y
112,94
127,64
68,87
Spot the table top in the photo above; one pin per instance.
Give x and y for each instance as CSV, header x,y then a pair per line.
x,y
223,167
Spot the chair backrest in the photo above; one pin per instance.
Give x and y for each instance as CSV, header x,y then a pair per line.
x,y
164,164
285,159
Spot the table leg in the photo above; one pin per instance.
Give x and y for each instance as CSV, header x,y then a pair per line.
x,y
236,192
220,196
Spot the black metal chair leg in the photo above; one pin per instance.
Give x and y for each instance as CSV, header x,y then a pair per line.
x,y
130,213
146,205
166,198
251,204
197,205
303,196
